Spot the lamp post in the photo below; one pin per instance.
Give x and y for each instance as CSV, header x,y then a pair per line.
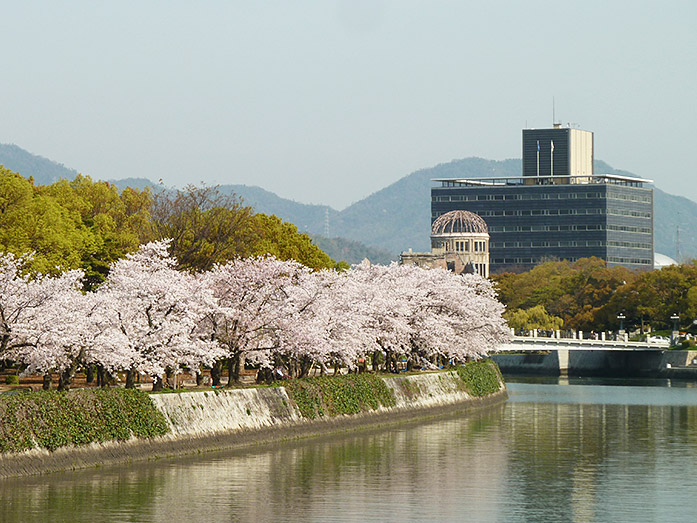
x,y
621,317
674,338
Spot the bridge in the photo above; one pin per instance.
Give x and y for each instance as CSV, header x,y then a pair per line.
x,y
561,354
535,344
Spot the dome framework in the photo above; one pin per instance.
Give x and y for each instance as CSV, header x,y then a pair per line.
x,y
459,222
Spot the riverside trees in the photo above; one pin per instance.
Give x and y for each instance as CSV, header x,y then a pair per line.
x,y
148,318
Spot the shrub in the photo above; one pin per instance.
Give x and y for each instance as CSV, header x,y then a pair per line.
x,y
12,379
480,377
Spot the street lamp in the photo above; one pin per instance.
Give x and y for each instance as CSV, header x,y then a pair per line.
x,y
676,318
674,338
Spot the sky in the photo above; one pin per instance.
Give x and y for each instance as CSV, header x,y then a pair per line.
x,y
328,101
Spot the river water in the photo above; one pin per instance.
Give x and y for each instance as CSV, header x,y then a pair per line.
x,y
585,450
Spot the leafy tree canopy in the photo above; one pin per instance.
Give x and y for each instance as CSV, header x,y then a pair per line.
x,y
588,295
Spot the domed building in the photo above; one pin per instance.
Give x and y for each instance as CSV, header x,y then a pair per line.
x,y
459,242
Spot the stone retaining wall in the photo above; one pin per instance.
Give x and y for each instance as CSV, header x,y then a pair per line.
x,y
226,419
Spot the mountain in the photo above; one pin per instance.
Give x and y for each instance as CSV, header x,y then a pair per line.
x,y
135,183
352,251
397,217
43,170
306,217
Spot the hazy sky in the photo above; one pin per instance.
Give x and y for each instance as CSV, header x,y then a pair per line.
x,y
328,101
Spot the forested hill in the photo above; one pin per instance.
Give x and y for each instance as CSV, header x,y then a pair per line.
x,y
397,217
43,170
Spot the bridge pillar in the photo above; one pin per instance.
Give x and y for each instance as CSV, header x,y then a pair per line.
x,y
563,356
580,335
602,336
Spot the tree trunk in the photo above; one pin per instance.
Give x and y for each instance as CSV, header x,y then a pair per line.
x,y
199,378
89,374
305,366
216,373
131,379
233,369
169,378
65,378
376,361
157,384
265,375
103,377
48,380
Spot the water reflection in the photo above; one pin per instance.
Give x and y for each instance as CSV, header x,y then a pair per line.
x,y
574,452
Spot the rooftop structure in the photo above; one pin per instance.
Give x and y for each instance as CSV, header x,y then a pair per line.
x,y
557,151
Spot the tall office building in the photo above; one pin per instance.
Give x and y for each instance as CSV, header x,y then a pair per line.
x,y
565,213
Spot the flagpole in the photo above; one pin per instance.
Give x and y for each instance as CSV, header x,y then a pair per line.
x,y
552,159
538,160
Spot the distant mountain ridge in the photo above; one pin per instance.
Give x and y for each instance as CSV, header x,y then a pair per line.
x,y
397,217
43,170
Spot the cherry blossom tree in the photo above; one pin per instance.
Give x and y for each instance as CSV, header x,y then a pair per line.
x,y
150,315
148,318
40,322
426,313
257,305
457,317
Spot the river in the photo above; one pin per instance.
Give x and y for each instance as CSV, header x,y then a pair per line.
x,y
578,450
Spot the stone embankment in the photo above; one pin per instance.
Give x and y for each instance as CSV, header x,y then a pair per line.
x,y
227,419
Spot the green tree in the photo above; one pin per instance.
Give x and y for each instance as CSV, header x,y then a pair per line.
x,y
117,223
282,240
206,226
32,221
536,317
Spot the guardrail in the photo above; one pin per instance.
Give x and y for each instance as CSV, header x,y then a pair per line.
x,y
530,343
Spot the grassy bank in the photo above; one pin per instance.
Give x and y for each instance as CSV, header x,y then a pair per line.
x,y
56,419
480,378
354,393
334,395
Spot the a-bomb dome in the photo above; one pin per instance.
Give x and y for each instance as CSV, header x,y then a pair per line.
x,y
455,222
